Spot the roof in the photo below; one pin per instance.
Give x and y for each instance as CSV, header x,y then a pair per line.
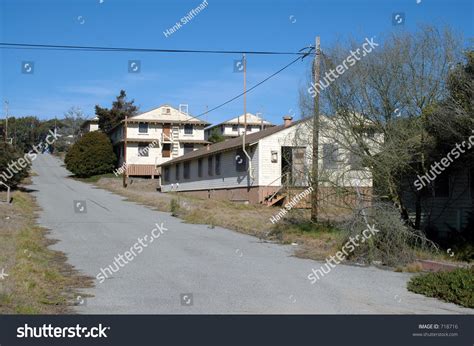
x,y
160,114
230,143
252,119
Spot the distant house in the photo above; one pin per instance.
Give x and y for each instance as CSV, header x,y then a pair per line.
x,y
278,162
90,125
235,127
156,136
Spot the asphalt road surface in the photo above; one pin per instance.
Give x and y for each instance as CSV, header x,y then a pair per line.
x,y
196,269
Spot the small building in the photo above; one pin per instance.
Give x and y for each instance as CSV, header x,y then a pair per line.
x,y
274,165
90,125
155,137
235,127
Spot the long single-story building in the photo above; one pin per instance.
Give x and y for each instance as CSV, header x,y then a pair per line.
x,y
275,161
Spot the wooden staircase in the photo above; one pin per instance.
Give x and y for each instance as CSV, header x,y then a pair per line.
x,y
274,198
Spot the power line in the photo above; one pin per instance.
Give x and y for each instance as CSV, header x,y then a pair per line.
x,y
6,45
256,85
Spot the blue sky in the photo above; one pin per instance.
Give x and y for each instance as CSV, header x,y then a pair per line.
x,y
64,79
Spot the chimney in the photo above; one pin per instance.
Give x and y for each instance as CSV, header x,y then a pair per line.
x,y
208,146
287,120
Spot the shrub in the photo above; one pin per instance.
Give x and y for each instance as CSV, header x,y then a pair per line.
x,y
92,154
174,207
456,286
393,245
9,154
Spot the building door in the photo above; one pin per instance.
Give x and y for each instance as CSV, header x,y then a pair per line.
x,y
293,167
167,131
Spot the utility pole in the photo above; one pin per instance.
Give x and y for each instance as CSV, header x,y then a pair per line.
x,y
124,175
249,159
315,161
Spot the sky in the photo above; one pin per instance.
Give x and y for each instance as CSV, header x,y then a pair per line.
x,y
64,79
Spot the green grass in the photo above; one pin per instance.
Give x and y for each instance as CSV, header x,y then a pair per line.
x,y
456,286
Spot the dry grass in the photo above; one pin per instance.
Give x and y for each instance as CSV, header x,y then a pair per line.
x,y
39,280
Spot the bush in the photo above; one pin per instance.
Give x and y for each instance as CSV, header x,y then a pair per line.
x,y
456,286
91,155
395,244
9,154
174,207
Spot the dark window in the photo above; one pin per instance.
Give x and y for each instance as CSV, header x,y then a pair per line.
x,y
330,156
218,164
188,129
355,161
235,128
240,161
142,128
200,168
209,166
471,181
166,174
249,128
441,186
177,172
166,150
143,149
188,147
186,169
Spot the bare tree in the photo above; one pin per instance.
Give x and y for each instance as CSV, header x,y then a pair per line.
x,y
382,102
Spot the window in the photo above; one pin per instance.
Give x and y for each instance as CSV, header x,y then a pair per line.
x,y
355,161
218,164
249,128
441,185
235,128
176,172
471,181
188,147
330,156
186,169
274,156
166,111
166,150
209,166
188,129
143,150
166,174
240,161
200,168
142,128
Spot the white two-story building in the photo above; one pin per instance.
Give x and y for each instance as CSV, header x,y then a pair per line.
x,y
156,136
235,127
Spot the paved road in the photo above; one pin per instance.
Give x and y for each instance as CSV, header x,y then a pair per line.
x,y
225,271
